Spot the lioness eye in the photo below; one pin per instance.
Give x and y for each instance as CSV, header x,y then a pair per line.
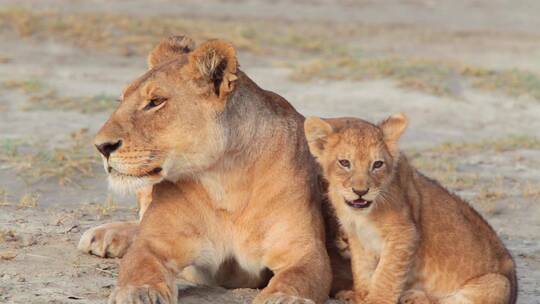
x,y
154,102
377,164
344,163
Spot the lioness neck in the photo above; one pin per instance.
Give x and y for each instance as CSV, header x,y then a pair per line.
x,y
262,131
249,115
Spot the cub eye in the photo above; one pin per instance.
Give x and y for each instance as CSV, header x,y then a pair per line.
x,y
377,164
154,102
344,163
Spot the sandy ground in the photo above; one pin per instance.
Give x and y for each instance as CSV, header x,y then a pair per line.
x,y
494,160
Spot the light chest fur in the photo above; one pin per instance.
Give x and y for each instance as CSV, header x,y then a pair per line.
x,y
357,224
226,238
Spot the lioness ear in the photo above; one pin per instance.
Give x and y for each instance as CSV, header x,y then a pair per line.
x,y
316,130
170,48
215,61
392,129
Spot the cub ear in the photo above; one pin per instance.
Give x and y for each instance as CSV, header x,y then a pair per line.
x,y
170,48
215,62
317,130
392,129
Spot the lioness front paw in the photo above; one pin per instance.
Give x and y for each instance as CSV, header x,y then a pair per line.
x,y
108,240
141,295
281,298
414,297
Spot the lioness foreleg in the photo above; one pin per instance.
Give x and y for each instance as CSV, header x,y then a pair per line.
x,y
148,270
301,275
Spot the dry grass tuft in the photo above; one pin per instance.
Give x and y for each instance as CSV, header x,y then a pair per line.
x,y
336,59
51,101
132,35
27,86
513,142
8,235
107,207
29,200
102,209
447,163
41,97
422,75
438,78
64,164
512,82
487,195
444,168
529,189
4,200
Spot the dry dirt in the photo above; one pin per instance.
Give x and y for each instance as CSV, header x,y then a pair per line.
x,y
56,90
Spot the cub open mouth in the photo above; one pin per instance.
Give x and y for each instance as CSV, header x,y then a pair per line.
x,y
358,203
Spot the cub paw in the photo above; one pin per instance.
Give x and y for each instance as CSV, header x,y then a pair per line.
x,y
351,296
414,297
281,298
108,240
140,295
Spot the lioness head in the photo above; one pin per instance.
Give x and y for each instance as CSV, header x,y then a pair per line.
x,y
168,121
356,156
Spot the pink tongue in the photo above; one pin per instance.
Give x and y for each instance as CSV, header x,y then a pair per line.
x,y
359,202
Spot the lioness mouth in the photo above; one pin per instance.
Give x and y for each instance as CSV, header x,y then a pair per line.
x,y
358,203
149,173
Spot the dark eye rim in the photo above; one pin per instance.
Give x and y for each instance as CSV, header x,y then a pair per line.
x,y
377,164
154,102
345,163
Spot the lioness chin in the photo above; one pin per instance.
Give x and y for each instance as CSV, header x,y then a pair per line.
x,y
233,188
410,239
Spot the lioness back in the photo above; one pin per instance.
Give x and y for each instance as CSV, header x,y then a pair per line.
x,y
411,240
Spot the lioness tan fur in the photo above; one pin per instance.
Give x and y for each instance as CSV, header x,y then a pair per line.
x,y
411,240
234,194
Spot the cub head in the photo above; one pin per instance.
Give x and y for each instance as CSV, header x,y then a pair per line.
x,y
356,156
168,122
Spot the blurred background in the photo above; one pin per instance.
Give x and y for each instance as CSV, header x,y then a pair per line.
x,y
466,72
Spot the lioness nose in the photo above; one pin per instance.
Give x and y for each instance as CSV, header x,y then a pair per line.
x,y
109,147
360,193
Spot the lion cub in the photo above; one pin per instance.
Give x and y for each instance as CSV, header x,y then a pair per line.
x,y
411,240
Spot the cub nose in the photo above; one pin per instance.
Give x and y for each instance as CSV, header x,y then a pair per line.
x,y
360,193
109,147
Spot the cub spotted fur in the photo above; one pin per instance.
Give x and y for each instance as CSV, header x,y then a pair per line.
x,y
411,240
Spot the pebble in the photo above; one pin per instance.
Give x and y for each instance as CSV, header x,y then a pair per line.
x,y
7,255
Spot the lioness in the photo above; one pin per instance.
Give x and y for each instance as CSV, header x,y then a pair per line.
x,y
235,196
410,239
